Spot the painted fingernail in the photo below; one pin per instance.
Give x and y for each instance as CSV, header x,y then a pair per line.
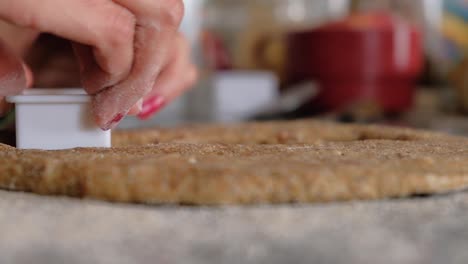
x,y
114,122
151,106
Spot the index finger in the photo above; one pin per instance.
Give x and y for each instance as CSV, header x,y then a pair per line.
x,y
102,24
156,27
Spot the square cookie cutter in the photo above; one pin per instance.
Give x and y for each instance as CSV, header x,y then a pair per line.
x,y
53,119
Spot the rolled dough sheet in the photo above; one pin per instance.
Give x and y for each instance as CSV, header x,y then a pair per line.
x,y
274,162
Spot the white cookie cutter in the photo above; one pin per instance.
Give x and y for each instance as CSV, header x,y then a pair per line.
x,y
54,119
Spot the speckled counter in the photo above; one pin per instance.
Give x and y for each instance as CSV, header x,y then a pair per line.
x,y
45,230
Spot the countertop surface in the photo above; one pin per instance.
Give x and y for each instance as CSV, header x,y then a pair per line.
x,y
47,230
39,230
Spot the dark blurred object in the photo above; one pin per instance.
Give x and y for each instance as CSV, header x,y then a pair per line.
x,y
8,137
373,58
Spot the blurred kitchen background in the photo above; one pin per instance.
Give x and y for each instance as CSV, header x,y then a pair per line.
x,y
400,62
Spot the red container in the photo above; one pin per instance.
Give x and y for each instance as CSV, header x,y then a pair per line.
x,y
370,57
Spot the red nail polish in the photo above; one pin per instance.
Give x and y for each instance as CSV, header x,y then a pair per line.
x,y
113,123
151,106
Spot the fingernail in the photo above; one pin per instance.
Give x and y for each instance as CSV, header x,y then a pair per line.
x,y
151,106
114,122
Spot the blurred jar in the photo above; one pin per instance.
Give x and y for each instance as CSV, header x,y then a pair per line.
x,y
425,14
248,34
368,59
444,24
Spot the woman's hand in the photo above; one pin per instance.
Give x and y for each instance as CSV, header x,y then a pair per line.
x,y
14,76
130,53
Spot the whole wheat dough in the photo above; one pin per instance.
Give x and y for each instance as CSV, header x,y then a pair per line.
x,y
276,162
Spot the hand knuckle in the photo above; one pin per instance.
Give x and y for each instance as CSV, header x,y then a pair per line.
x,y
174,12
120,27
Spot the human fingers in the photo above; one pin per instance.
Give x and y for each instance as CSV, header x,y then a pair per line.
x,y
18,39
136,109
178,76
13,78
105,27
12,75
156,26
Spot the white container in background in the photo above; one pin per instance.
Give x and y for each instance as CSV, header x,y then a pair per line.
x,y
232,96
241,94
54,119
